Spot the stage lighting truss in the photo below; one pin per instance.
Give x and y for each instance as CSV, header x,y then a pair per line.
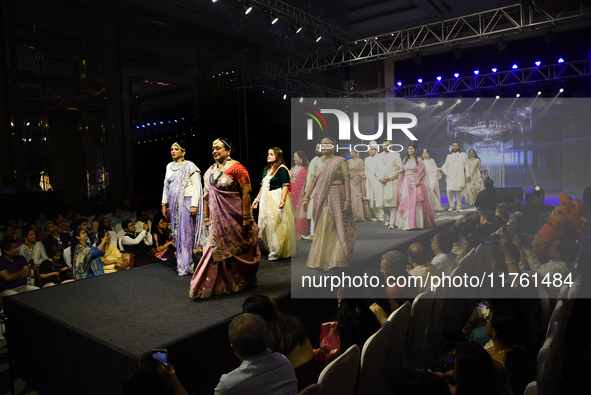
x,y
485,25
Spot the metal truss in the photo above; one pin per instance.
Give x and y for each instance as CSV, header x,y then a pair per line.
x,y
517,77
481,26
303,19
500,79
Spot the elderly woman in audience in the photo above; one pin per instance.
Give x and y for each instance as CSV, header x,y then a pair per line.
x,y
113,260
86,259
34,251
163,245
286,335
54,271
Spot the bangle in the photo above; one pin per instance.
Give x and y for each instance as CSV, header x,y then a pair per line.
x,y
306,200
348,199
245,217
205,219
282,198
256,200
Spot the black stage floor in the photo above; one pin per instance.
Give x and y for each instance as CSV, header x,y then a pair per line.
x,y
78,338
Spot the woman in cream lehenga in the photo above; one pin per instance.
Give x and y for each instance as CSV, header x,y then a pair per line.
x,y
276,224
335,232
473,178
434,176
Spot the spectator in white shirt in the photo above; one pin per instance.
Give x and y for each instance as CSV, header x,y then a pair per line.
x,y
444,260
421,267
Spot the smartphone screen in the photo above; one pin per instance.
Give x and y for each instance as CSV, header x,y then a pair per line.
x,y
161,355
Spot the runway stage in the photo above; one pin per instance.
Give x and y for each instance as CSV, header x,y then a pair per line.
x,y
78,338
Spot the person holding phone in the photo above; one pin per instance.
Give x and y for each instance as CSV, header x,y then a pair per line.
x,y
150,376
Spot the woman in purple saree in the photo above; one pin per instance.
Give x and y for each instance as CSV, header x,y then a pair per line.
x,y
335,233
182,194
415,206
231,256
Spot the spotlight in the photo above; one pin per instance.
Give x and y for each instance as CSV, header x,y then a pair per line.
x,y
399,83
497,97
214,1
477,99
315,102
418,58
538,63
539,93
246,8
458,53
420,80
301,99
284,96
273,19
423,105
476,72
538,195
459,101
514,66
296,28
561,60
438,78
501,44
494,69
456,75
517,94
561,90
440,103
318,38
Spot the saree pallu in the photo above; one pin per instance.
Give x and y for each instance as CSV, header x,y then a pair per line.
x,y
231,256
86,262
434,176
187,229
359,202
298,186
277,228
335,231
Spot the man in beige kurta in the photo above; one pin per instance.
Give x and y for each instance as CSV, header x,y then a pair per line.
x,y
389,167
372,185
455,170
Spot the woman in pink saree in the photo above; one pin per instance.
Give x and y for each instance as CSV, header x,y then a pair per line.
x,y
415,207
231,256
299,174
335,232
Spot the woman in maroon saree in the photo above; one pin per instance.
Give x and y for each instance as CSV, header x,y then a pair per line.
x,y
231,256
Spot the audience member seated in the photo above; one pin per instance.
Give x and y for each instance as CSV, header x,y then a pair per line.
x,y
444,260
8,232
454,232
487,226
113,260
286,335
399,286
117,217
82,223
55,237
98,219
508,330
137,244
54,271
473,220
105,225
503,212
14,270
163,245
355,321
486,199
467,241
34,252
61,224
421,267
499,268
475,372
261,371
406,381
563,253
86,259
143,218
17,230
148,376
19,227
377,298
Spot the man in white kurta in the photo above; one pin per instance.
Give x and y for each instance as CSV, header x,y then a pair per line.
x,y
310,204
389,167
371,182
455,170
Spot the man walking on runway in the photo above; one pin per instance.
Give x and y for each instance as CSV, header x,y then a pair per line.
x,y
455,169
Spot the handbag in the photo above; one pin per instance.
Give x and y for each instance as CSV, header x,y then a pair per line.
x,y
330,343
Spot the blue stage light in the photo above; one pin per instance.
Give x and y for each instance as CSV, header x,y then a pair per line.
x,y
456,75
494,69
561,60
420,80
538,63
161,123
438,78
514,66
399,83
476,72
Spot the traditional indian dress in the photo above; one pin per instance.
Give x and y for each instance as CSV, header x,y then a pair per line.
x,y
159,241
299,175
415,207
434,176
37,254
182,190
276,226
86,262
231,256
335,231
359,201
472,187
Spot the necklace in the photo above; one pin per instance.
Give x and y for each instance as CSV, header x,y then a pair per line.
x,y
177,165
221,171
